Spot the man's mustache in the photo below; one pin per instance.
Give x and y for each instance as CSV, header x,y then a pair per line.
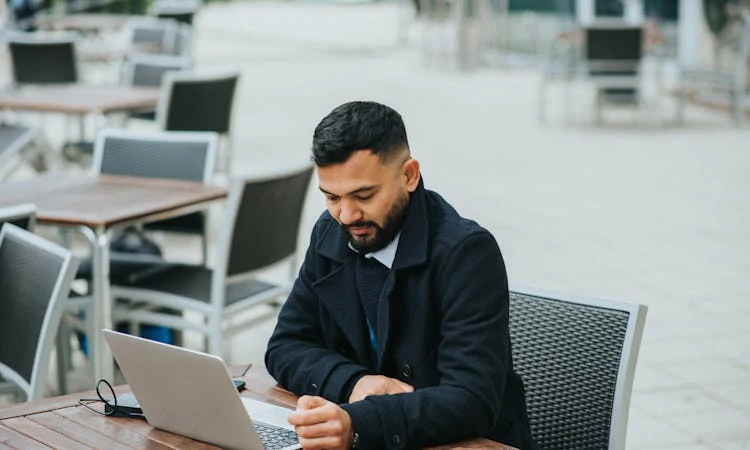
x,y
366,223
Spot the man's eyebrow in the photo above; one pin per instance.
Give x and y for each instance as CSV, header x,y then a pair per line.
x,y
354,192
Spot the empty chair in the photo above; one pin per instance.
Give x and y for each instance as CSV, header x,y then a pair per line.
x,y
613,56
183,41
153,35
731,82
259,230
193,102
187,156
42,59
15,140
35,277
149,70
577,359
23,216
182,11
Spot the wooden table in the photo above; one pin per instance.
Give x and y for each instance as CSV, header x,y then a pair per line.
x,y
99,206
61,423
80,99
86,22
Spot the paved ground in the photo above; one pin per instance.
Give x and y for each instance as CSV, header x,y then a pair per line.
x,y
635,211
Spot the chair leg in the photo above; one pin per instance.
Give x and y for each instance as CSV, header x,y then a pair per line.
x,y
681,99
63,357
543,101
737,102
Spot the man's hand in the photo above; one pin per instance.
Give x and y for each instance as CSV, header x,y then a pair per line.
x,y
378,385
321,424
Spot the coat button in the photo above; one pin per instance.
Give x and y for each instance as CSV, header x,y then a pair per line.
x,y
314,386
406,370
396,439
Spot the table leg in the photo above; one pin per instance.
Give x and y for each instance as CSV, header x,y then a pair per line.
x,y
101,357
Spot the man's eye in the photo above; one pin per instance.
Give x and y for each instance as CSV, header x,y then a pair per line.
x,y
364,198
332,199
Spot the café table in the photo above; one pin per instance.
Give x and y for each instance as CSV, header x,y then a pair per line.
x,y
60,422
99,206
80,100
85,22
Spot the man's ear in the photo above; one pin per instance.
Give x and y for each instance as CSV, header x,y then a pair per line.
x,y
411,173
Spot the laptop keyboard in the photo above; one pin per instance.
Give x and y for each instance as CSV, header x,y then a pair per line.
x,y
275,437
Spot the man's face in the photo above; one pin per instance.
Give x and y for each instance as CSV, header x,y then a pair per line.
x,y
368,197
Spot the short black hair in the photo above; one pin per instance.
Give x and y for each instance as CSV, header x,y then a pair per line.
x,y
358,126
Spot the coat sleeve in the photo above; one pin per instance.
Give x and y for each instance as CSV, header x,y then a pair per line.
x,y
473,358
297,355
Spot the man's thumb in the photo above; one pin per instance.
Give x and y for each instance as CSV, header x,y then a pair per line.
x,y
310,402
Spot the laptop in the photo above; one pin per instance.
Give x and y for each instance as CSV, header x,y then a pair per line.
x,y
191,394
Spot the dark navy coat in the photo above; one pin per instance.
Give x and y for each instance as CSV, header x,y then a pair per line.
x,y
442,327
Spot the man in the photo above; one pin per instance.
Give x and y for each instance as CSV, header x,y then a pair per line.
x,y
396,330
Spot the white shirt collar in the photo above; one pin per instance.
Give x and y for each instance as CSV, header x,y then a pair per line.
x,y
385,255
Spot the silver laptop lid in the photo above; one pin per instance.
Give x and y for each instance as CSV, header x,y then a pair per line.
x,y
184,391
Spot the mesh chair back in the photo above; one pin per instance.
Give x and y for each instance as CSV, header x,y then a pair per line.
x,y
267,212
577,361
23,216
13,138
35,277
183,41
42,60
614,49
197,103
157,33
170,155
149,70
183,17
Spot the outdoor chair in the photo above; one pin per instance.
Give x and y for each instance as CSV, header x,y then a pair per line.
x,y
35,277
182,11
23,216
187,156
731,81
16,147
613,56
607,56
39,58
195,102
259,231
149,70
153,35
577,359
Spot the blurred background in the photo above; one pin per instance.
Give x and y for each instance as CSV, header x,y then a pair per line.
x,y
605,144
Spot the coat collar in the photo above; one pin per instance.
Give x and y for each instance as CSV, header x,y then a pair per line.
x,y
412,247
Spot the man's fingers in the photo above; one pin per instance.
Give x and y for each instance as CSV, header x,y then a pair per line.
x,y
310,402
315,415
330,428
399,387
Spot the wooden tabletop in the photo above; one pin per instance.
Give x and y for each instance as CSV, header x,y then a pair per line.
x,y
85,22
61,423
104,200
80,99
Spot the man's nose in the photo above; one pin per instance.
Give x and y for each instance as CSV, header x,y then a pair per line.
x,y
349,213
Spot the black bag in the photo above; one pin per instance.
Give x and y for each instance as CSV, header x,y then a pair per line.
x,y
132,240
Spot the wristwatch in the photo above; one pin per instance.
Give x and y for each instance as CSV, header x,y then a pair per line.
x,y
355,440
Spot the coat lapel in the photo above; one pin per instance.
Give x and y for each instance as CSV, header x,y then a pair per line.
x,y
338,291
412,251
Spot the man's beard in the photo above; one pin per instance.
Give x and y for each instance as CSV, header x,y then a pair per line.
x,y
383,235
